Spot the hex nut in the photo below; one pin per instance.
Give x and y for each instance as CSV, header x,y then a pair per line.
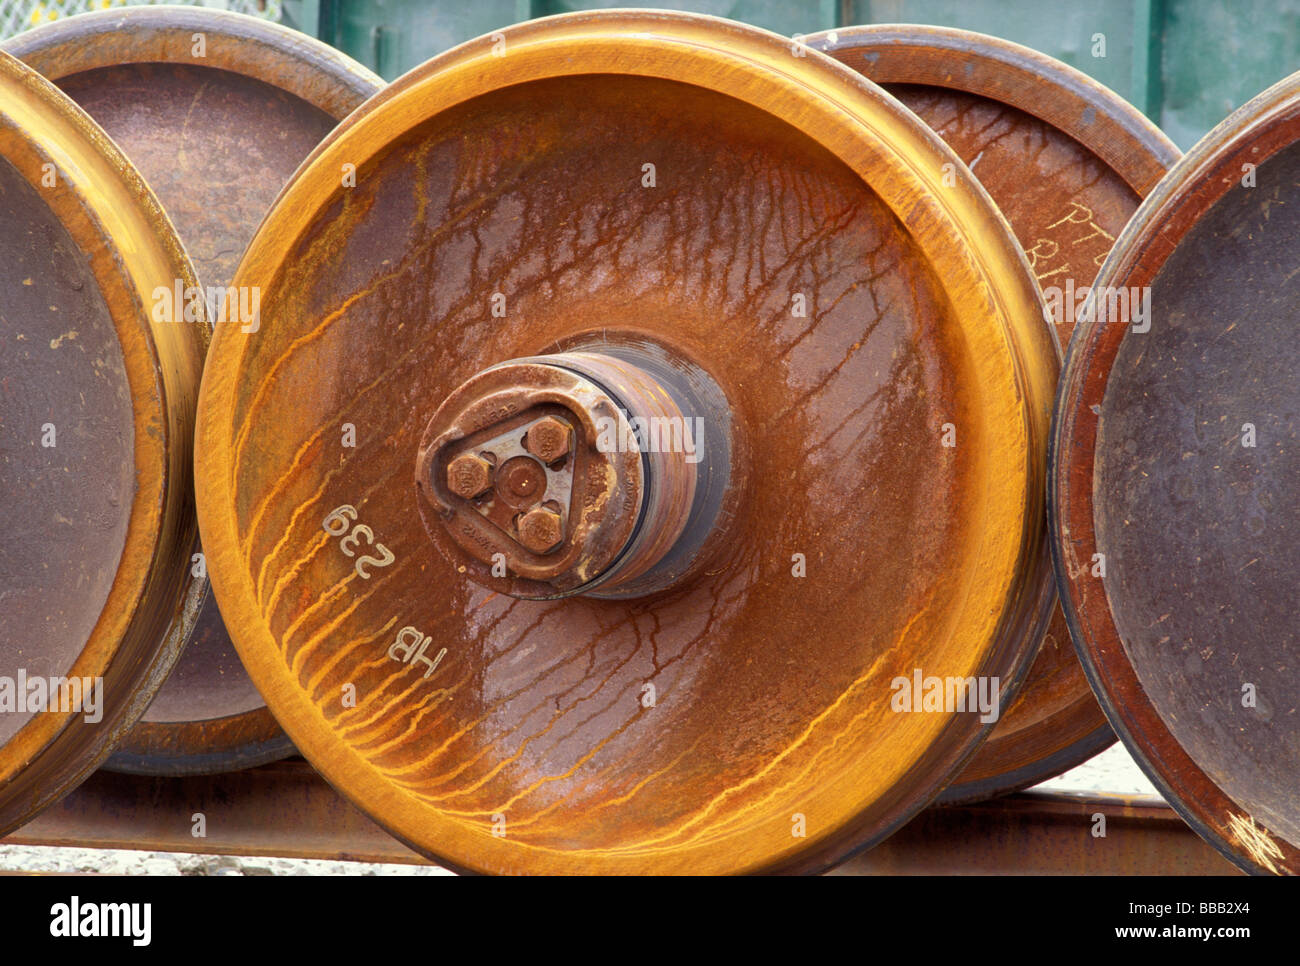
x,y
540,530
468,475
548,439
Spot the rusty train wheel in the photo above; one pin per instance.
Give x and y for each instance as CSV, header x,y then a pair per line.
x,y
1174,509
524,650
1068,162
96,449
216,110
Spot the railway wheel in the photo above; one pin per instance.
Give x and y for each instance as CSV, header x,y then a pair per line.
x,y
1176,527
698,396
216,110
96,447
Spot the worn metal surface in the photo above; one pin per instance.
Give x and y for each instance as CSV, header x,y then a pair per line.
x,y
283,808
61,364
216,125
1068,162
555,526
1039,833
576,473
742,719
98,410
1174,466
286,809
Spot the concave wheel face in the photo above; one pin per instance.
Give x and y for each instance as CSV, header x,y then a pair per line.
x,y
1068,162
1174,469
702,727
216,128
99,408
60,358
215,146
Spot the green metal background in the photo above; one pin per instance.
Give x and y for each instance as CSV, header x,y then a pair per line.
x,y
1186,63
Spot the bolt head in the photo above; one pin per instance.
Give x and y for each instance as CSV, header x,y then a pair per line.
x,y
548,439
468,475
540,530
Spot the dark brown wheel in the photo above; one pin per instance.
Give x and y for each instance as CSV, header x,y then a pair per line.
x,y
527,622
1175,516
1068,162
216,110
95,446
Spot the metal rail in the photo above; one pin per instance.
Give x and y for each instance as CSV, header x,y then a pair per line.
x,y
1045,833
287,809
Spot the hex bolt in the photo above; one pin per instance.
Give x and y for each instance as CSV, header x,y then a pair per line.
x,y
540,530
468,475
548,439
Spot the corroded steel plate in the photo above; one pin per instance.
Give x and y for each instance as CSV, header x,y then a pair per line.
x,y
577,214
1068,162
95,446
1175,520
216,110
